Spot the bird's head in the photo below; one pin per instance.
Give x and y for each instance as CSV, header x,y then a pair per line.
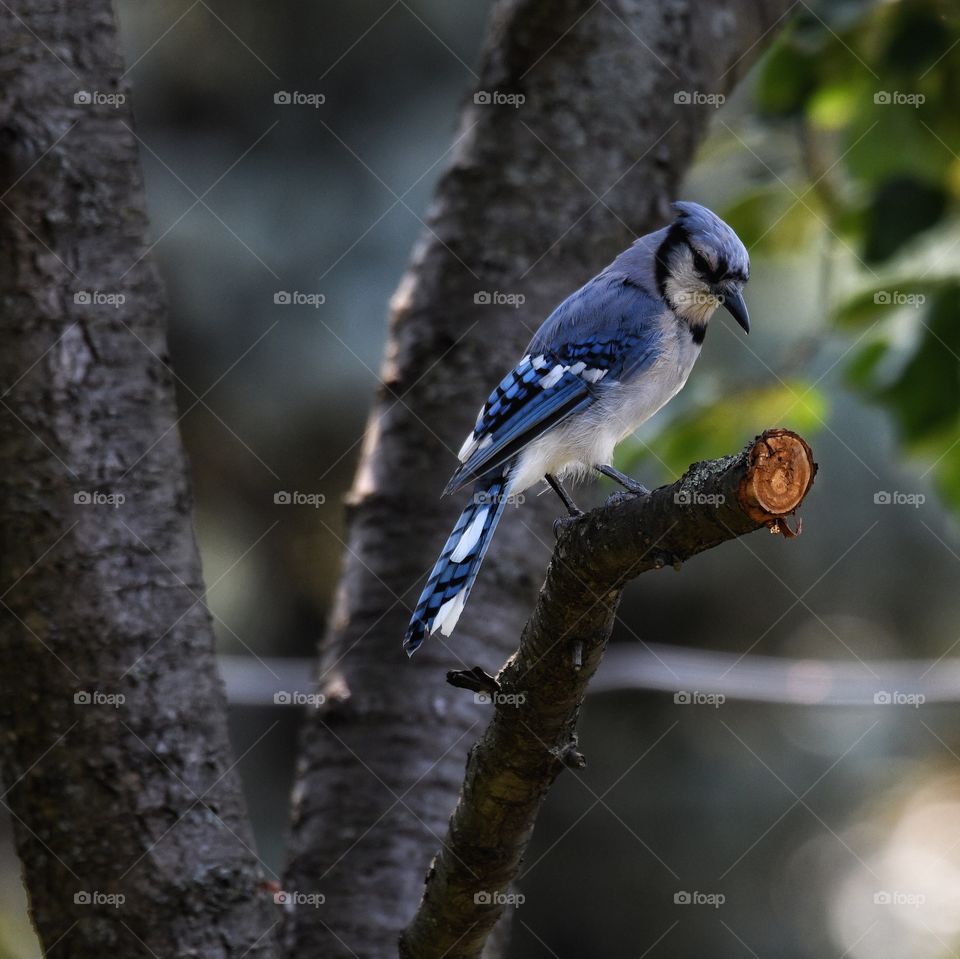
x,y
700,265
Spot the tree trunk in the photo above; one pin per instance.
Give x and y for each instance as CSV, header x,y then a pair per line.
x,y
537,195
128,814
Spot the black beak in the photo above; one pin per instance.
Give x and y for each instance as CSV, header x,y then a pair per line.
x,y
733,301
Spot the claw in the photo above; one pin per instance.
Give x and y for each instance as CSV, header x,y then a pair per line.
x,y
563,523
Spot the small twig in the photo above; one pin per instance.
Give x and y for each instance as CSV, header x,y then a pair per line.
x,y
477,680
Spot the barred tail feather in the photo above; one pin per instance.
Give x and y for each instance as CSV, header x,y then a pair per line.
x,y
454,573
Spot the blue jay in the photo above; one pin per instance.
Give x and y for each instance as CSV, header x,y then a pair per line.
x,y
607,358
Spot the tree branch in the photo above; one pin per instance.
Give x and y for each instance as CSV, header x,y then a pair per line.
x,y
532,735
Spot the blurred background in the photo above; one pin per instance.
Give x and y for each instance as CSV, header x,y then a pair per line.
x,y
289,153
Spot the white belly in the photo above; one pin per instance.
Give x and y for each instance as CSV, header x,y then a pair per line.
x,y
588,438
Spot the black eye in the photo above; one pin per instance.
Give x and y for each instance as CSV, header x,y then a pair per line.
x,y
700,263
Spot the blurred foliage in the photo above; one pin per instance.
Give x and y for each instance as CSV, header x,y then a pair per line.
x,y
727,423
865,95
910,367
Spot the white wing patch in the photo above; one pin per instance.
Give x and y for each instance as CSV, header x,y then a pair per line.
x,y
577,369
466,451
470,446
473,445
553,377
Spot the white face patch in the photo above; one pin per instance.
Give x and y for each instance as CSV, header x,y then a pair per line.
x,y
686,292
696,305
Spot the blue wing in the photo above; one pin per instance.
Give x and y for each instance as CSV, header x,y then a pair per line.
x,y
556,379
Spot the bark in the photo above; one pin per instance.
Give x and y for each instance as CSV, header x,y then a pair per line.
x,y
538,694
128,814
533,201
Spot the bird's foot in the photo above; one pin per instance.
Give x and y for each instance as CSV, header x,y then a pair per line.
x,y
638,489
627,482
562,523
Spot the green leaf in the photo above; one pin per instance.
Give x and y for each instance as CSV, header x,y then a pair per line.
x,y
900,208
917,37
769,219
926,396
946,468
861,371
881,302
834,106
786,79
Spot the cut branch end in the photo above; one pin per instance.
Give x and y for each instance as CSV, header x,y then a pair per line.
x,y
780,473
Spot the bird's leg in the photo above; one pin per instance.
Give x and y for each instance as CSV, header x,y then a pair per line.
x,y
562,522
556,486
628,484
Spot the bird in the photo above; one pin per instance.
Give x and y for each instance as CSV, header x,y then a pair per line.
x,y
604,361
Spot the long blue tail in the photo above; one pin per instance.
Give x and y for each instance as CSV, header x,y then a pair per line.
x,y
453,575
